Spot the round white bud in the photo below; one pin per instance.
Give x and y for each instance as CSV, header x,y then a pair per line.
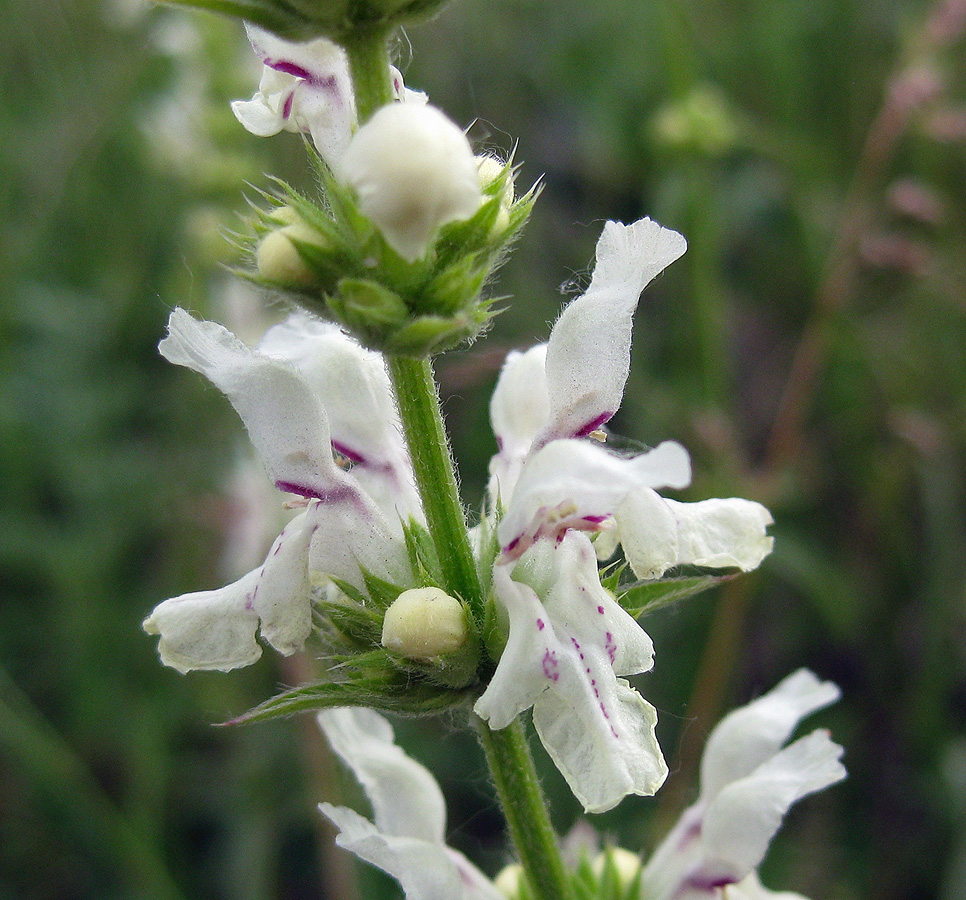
x,y
414,171
424,624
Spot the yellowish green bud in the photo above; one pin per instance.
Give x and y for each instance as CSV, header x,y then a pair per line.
x,y
490,169
424,624
625,865
509,881
277,257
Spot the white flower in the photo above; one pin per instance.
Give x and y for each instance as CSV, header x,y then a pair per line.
x,y
308,391
414,171
406,837
568,640
306,87
749,780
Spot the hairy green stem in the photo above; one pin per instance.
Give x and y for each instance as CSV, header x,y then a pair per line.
x,y
525,808
417,398
418,402
368,53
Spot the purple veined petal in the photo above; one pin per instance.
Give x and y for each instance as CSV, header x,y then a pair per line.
x,y
604,743
588,355
560,657
285,419
576,484
363,422
749,782
318,101
353,535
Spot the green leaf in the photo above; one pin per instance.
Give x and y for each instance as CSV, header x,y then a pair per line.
x,y
399,696
648,596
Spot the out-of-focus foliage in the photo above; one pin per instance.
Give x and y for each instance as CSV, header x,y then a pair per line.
x,y
814,155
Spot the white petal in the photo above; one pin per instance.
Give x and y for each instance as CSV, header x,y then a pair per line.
x,y
519,409
588,355
603,743
259,115
282,595
208,629
284,418
414,171
528,665
741,821
318,98
577,484
750,735
658,534
363,422
405,798
580,606
561,657
351,536
751,888
424,869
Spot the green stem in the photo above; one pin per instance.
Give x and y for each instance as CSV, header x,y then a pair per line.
x,y
528,820
418,402
417,397
368,53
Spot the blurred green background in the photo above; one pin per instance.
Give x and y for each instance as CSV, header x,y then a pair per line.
x,y
810,350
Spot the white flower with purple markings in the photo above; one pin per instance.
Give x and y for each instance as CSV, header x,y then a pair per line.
x,y
749,781
305,87
569,641
308,395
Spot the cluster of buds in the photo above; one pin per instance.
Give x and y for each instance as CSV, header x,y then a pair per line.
x,y
409,225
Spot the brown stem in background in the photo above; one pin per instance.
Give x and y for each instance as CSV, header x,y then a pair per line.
x,y
912,85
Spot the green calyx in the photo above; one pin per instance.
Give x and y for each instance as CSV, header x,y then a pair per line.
x,y
338,20
331,260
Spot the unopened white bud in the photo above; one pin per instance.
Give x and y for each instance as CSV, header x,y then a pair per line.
x,y
626,865
413,171
424,624
277,258
509,881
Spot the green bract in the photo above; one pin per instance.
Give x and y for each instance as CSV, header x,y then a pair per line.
x,y
340,266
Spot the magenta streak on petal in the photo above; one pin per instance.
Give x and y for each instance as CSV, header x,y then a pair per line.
x,y
303,490
289,68
541,624
287,106
593,424
610,646
350,455
700,881
600,609
550,665
594,520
